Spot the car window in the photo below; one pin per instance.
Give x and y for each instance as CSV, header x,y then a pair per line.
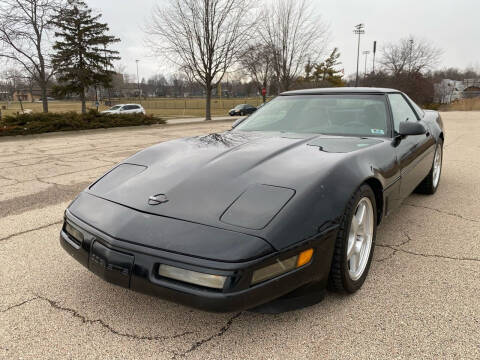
x,y
336,114
417,108
401,110
116,107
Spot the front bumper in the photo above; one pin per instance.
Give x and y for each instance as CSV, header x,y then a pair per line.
x,y
136,267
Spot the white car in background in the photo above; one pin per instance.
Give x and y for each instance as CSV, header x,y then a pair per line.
x,y
125,109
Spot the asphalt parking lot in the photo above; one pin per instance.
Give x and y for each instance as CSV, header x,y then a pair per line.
x,y
421,299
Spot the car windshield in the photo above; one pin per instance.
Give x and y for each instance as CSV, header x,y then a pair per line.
x,y
239,107
336,114
116,107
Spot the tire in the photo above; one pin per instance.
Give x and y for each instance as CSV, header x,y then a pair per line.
x,y
429,185
343,277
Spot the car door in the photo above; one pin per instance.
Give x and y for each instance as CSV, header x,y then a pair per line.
x,y
135,109
414,152
127,109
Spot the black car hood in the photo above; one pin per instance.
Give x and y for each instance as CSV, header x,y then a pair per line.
x,y
198,179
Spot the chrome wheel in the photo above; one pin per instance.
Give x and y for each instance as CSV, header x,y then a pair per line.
x,y
437,166
360,238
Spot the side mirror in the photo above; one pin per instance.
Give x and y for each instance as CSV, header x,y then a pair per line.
x,y
238,122
411,128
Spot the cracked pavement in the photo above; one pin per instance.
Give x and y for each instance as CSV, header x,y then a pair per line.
x,y
419,301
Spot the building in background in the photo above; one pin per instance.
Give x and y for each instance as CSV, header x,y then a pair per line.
x,y
448,91
29,95
472,88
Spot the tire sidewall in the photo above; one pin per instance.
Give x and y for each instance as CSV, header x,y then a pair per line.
x,y
349,284
439,145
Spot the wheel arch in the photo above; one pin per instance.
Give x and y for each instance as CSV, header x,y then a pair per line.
x,y
377,189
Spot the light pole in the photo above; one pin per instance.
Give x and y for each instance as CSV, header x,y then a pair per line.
x,y
411,41
366,52
359,30
374,52
138,79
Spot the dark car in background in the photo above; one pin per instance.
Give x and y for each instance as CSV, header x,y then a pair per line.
x,y
289,198
242,110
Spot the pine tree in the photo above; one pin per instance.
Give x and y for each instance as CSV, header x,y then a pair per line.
x,y
82,56
325,71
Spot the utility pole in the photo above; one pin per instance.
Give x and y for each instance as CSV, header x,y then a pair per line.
x,y
374,52
138,79
366,52
359,30
411,53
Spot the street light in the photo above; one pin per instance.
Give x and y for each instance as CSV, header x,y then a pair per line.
x,y
366,52
359,30
138,79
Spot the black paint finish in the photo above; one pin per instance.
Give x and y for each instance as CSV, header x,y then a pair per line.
x,y
239,200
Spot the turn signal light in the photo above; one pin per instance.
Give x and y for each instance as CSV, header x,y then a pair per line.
x,y
304,257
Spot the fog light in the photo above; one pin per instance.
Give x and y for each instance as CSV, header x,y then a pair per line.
x,y
275,269
73,232
282,266
192,277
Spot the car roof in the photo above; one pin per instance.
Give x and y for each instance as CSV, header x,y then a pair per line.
x,y
341,90
126,104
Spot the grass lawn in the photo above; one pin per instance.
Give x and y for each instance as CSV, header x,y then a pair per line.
x,y
158,107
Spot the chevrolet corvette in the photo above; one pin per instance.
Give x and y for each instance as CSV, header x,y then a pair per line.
x,y
290,197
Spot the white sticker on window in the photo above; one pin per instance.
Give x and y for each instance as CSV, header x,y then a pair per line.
x,y
377,131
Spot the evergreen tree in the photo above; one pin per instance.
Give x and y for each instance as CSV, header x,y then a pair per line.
x,y
325,71
82,56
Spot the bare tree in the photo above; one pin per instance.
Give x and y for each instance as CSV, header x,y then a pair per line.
x,y
24,28
410,56
256,62
202,37
295,35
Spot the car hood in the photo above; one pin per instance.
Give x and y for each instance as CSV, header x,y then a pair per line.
x,y
219,179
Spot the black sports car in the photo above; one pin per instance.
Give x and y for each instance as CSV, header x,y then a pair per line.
x,y
242,110
289,198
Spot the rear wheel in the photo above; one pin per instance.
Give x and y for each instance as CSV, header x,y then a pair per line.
x,y
355,242
429,185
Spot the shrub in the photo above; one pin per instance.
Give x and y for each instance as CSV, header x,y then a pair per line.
x,y
432,106
38,123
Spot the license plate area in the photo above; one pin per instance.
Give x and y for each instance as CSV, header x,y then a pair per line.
x,y
111,265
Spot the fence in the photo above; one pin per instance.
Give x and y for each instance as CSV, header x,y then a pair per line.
x,y
188,103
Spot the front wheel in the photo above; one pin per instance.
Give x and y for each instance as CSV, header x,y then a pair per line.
x,y
429,185
355,242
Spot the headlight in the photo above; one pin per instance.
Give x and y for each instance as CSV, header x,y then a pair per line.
x,y
282,266
192,277
73,232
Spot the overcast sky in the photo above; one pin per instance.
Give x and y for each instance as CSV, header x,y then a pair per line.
x,y
452,25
